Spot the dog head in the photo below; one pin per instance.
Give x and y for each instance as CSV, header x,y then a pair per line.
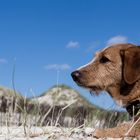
x,y
109,67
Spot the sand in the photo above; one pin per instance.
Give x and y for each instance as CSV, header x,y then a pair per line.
x,y
49,133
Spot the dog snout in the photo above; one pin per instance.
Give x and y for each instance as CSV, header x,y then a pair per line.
x,y
76,75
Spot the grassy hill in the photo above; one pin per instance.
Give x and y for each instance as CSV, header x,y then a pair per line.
x,y
68,103
60,105
62,95
10,100
4,91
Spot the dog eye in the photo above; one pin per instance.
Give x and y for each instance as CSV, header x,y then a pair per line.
x,y
104,59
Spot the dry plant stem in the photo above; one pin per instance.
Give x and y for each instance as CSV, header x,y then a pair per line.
x,y
52,115
77,128
45,116
61,111
69,105
25,117
59,114
134,123
13,77
7,126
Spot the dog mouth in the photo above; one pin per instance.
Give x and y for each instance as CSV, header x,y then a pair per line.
x,y
93,89
82,82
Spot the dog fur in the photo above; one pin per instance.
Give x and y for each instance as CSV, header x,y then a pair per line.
x,y
115,69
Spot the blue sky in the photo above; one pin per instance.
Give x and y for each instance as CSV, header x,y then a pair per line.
x,y
41,37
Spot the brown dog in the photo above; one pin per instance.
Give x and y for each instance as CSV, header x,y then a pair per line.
x,y
115,69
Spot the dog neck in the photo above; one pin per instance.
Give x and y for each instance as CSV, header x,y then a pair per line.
x,y
114,92
125,88
130,101
122,95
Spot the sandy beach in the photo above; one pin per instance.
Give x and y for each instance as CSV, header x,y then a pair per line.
x,y
49,133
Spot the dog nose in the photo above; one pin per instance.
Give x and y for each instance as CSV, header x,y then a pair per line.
x,y
75,75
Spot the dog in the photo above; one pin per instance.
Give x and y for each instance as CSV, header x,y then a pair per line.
x,y
115,69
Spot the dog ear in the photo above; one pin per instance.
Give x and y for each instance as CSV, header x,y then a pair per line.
x,y
131,66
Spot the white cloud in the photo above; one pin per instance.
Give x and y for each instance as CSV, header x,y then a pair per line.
x,y
3,61
73,44
57,67
117,39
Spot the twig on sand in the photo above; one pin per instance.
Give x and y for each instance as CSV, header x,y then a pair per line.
x,y
132,126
